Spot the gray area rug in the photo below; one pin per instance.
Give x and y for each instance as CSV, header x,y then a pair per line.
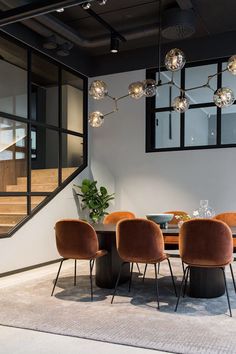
x,y
200,326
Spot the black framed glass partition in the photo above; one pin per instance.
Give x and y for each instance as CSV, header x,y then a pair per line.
x,y
203,125
43,131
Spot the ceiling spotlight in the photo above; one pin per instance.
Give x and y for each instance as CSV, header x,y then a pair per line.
x,y
102,2
114,47
50,42
86,5
60,10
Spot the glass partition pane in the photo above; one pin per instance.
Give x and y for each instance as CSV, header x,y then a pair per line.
x,y
72,154
13,155
37,200
44,159
72,102
167,129
12,211
44,91
200,126
196,76
13,73
167,93
228,125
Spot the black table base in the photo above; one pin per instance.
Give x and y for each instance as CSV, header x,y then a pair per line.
x,y
107,267
206,282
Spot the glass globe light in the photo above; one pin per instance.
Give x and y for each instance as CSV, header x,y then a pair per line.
x,y
231,66
136,90
180,104
223,97
149,87
96,119
175,60
98,89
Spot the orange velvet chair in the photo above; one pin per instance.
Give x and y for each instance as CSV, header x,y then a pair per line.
x,y
229,218
76,239
140,241
206,243
116,216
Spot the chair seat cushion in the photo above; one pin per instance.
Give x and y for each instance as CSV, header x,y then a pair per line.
x,y
147,260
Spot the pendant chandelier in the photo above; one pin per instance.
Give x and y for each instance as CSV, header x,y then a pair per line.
x,y
174,61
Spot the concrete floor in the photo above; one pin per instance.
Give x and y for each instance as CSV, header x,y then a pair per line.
x,y
21,341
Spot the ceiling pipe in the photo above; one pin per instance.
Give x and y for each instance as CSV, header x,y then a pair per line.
x,y
48,25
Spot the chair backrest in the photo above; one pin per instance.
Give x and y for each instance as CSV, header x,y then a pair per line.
x,y
139,240
175,221
116,216
205,242
229,218
76,239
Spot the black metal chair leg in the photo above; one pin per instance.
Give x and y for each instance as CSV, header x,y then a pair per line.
x,y
183,266
75,274
117,282
158,269
186,282
181,288
138,268
55,283
157,291
227,293
91,277
131,273
232,274
172,277
144,273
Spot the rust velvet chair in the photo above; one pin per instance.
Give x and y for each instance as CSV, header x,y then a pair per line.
x,y
116,216
206,243
76,239
140,241
229,218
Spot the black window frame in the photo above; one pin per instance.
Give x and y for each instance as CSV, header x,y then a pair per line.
x,y
33,123
151,111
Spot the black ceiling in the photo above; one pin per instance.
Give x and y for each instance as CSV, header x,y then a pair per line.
x,y
137,21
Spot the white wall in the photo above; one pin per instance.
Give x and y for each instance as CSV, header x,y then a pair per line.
x,y
155,182
35,243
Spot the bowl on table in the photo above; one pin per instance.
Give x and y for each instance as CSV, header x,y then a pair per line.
x,y
160,219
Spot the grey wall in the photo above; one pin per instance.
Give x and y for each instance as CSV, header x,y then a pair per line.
x,y
155,182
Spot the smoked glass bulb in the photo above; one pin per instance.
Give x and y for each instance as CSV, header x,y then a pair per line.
x,y
96,119
136,90
175,60
98,89
223,97
180,104
149,87
231,66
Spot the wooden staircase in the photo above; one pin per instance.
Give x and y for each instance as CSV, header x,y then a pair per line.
x,y
14,209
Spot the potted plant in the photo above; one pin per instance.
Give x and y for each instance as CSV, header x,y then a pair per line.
x,y
95,199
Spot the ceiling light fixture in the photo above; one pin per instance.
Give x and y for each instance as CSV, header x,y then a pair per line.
x,y
174,62
114,47
102,2
60,10
86,5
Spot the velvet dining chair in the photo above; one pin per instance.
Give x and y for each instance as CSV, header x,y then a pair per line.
x,y
140,241
206,243
76,239
228,217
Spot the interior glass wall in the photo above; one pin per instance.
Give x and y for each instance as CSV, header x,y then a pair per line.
x,y
42,130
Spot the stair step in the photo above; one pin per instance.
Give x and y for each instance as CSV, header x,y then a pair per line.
x,y
20,200
5,228
53,172
34,188
38,180
11,219
15,208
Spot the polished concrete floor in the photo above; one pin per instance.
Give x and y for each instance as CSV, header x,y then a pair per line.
x,y
21,341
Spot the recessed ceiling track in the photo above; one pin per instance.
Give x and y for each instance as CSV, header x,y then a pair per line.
x,y
35,9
